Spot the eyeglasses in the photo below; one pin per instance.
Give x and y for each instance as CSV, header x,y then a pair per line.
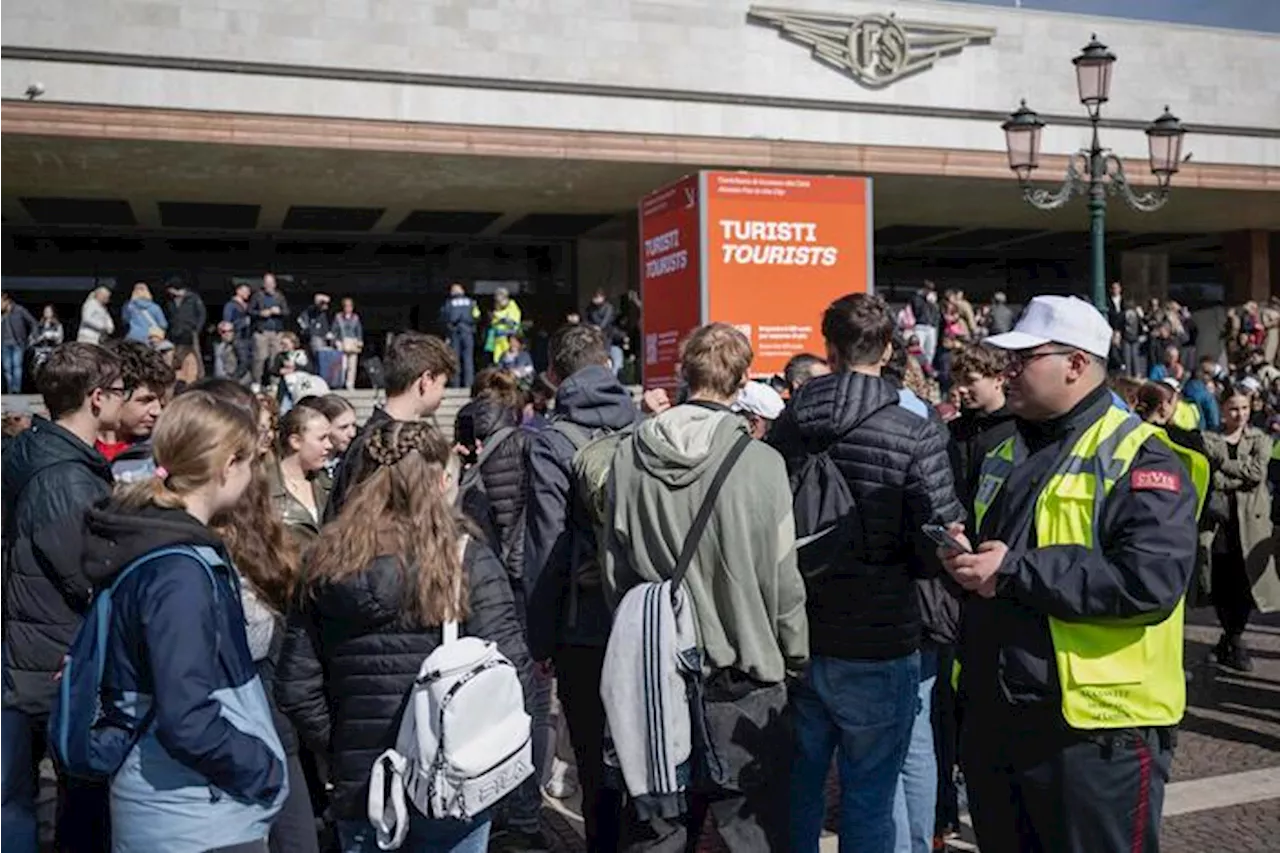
x,y
1020,361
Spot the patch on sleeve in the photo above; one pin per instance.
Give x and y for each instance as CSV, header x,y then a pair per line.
x,y
1144,479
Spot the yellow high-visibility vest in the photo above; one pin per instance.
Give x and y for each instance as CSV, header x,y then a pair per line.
x,y
1112,673
1186,415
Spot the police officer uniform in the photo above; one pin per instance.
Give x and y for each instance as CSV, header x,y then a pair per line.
x,y
1070,680
459,315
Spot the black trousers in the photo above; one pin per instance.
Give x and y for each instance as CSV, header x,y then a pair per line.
x,y
946,736
578,671
1065,792
752,821
82,819
1232,593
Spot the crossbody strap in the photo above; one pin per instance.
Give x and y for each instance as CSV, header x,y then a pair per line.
x,y
700,520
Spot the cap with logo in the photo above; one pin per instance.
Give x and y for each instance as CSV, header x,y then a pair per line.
x,y
1066,320
757,398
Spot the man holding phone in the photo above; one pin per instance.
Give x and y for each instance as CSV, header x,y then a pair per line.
x,y
1071,673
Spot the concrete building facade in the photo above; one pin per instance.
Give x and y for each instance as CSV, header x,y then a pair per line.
x,y
398,144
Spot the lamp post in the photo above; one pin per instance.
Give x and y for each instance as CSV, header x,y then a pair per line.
x,y
1094,171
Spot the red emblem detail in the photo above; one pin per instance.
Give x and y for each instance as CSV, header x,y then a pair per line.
x,y
1162,481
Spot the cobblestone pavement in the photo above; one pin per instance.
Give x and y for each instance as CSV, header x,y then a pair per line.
x,y
1232,726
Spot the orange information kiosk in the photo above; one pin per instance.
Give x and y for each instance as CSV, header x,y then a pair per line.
x,y
763,252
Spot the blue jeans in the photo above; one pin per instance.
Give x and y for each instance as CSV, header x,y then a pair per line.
x,y
916,799
13,368
865,709
425,836
18,816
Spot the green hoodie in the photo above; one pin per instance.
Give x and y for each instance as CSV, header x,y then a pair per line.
x,y
748,596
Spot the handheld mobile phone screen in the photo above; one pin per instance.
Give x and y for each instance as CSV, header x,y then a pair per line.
x,y
939,534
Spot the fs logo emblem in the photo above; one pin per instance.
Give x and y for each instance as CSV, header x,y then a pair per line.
x,y
875,49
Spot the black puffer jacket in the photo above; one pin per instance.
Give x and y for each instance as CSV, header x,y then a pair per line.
x,y
899,474
350,658
502,470
50,478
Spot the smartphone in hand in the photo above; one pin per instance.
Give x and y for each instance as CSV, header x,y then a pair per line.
x,y
939,534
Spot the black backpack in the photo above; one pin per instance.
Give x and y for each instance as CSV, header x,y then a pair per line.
x,y
828,521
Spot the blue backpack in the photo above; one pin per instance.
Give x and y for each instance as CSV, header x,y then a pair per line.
x,y
85,741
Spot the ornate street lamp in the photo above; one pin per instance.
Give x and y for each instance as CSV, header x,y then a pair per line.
x,y
1094,171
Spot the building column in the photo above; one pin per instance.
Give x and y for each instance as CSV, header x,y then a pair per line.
x,y
1144,276
1246,257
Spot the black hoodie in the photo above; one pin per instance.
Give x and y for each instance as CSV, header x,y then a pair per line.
x,y
595,401
49,478
973,435
898,472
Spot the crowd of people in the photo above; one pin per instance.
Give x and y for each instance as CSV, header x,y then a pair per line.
x,y
707,596
259,340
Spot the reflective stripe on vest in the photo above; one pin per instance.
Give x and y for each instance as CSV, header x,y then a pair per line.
x,y
1112,674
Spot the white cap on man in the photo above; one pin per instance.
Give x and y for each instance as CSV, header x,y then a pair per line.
x,y
757,398
1066,320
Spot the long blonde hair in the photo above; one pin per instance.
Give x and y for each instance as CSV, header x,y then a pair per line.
x,y
194,439
400,510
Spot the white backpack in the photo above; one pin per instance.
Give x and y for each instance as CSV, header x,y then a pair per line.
x,y
464,740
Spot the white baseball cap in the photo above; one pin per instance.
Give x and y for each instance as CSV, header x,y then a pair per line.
x,y
757,398
1066,320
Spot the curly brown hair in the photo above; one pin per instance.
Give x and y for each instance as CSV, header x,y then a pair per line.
x,y
400,510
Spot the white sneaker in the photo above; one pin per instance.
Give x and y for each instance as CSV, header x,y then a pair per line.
x,y
563,781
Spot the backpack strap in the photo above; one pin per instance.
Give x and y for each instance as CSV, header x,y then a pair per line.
x,y
694,536
492,444
578,436
450,628
208,558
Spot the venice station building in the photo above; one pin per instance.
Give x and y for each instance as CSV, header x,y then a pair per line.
x,y
384,148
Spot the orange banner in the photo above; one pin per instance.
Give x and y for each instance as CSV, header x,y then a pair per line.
x,y
670,277
779,249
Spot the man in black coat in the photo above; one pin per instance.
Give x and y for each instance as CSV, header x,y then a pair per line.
x,y
569,619
864,622
186,314
51,474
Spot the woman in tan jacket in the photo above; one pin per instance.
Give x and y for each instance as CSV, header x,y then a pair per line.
x,y
1243,576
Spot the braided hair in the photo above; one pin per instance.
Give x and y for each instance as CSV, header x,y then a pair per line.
x,y
401,510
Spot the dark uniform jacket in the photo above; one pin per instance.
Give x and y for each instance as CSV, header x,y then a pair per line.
x,y
458,314
896,466
352,653
1139,571
50,478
